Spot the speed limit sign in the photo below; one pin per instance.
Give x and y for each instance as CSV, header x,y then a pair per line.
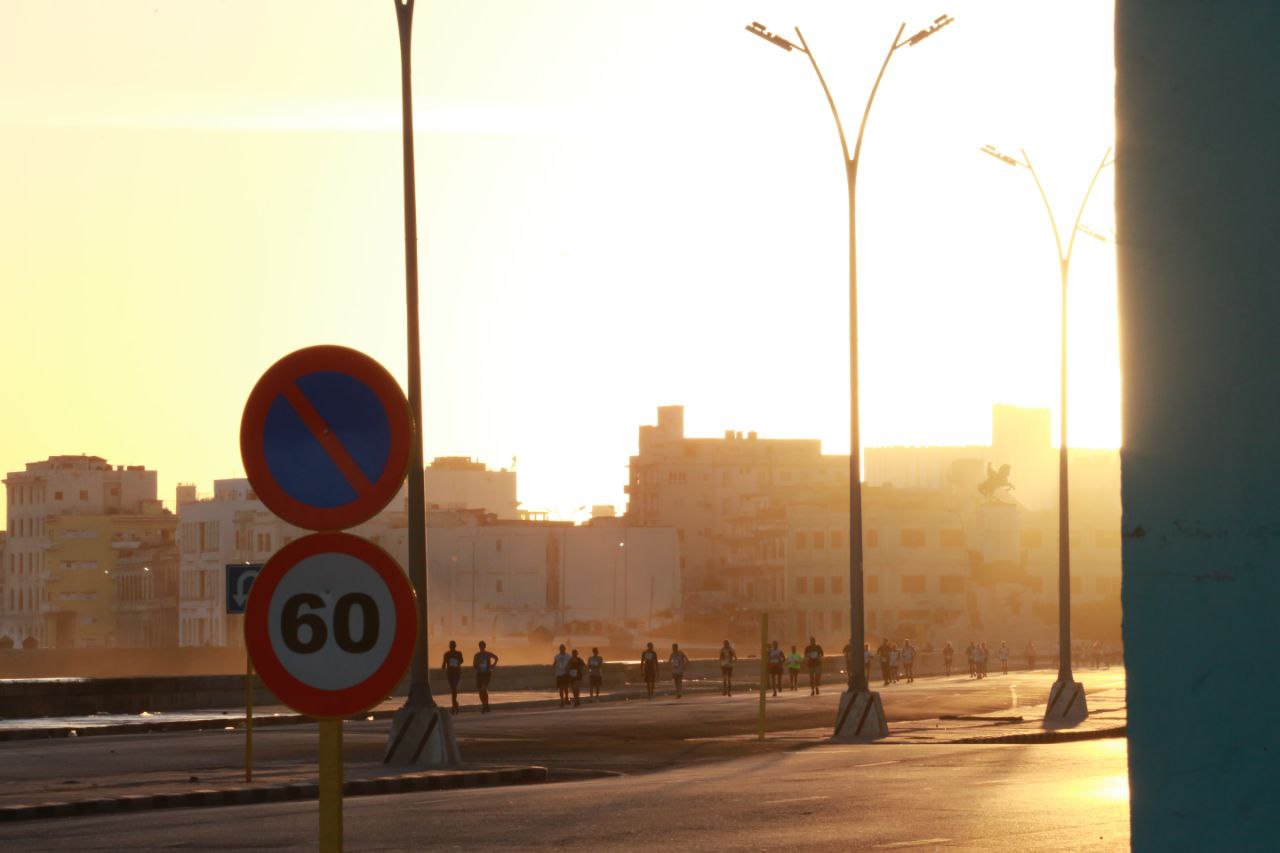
x,y
331,624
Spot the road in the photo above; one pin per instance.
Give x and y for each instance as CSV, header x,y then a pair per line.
x,y
1011,797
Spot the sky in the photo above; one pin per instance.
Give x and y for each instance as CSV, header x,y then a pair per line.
x,y
620,206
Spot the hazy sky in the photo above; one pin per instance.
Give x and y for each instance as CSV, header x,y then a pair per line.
x,y
621,205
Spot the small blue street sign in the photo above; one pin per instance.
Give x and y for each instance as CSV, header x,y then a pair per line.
x,y
240,577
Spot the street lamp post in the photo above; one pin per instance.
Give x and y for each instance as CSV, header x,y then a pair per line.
x,y
420,733
1067,704
861,714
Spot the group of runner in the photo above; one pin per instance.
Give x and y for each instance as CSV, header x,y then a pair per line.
x,y
482,662
569,669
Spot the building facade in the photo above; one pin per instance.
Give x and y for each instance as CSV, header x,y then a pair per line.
x,y
708,489
57,487
458,482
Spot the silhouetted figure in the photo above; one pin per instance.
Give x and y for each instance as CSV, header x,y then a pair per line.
x,y
595,673
794,661
483,663
649,668
561,665
947,654
678,661
776,660
452,667
727,657
577,666
813,657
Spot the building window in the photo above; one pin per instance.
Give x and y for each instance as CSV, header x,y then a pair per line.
x,y
819,539
819,586
951,583
952,538
1032,539
837,585
837,620
837,539
498,586
872,538
912,584
912,537
802,542
497,544
802,585
84,494
57,496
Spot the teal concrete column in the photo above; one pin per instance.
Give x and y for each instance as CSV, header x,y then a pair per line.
x,y
1198,211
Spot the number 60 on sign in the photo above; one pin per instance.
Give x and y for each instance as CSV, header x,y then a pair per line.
x,y
331,624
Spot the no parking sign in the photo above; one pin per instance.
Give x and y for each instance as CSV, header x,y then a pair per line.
x,y
325,438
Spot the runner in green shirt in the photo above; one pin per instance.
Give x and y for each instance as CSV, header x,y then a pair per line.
x,y
794,661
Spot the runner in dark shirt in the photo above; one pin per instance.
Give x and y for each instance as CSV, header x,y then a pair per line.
x,y
577,666
649,667
483,663
452,667
595,673
947,654
813,657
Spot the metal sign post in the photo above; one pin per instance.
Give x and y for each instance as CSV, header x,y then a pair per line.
x,y
239,580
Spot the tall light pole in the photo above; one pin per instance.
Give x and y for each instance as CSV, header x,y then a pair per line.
x,y
861,715
420,733
1067,704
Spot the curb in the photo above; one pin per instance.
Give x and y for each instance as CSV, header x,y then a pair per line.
x,y
1051,736
237,723
437,780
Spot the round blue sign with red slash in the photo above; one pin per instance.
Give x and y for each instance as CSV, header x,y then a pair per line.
x,y
331,624
325,438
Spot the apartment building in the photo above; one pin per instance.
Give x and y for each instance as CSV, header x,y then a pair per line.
x,y
60,486
710,489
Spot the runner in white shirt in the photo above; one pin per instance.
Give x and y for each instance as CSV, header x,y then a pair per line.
x,y
908,660
561,665
727,657
1003,654
649,667
895,661
678,661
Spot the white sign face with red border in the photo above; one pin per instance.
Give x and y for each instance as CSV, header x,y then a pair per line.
x,y
331,624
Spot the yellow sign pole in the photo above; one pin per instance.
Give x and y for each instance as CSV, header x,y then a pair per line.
x,y
331,786
248,717
764,668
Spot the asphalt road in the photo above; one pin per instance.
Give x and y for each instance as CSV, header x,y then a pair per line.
x,y
630,736
871,797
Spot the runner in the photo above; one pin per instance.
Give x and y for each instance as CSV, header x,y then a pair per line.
x,y
452,667
1003,654
678,660
813,656
908,660
971,652
483,663
848,657
649,667
1031,655
895,663
561,664
883,652
867,657
577,666
794,661
727,657
595,673
947,654
776,660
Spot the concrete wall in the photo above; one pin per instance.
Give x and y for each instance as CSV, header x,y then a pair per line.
x,y
1198,117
